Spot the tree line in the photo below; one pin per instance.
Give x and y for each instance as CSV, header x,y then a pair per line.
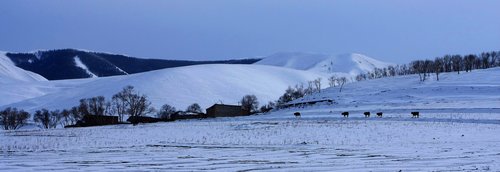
x,y
127,102
446,63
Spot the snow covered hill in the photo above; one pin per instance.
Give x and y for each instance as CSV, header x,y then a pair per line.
x,y
180,87
345,64
11,73
474,91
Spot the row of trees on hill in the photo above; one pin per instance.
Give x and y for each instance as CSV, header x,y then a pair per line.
x,y
446,63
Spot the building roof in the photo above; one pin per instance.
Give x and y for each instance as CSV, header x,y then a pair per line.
x,y
239,106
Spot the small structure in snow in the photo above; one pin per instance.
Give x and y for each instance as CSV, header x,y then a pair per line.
x,y
379,114
222,110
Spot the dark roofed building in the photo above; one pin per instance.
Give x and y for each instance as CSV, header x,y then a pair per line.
x,y
221,110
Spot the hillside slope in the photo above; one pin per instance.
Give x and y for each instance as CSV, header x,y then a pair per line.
x,y
11,73
180,87
471,91
344,64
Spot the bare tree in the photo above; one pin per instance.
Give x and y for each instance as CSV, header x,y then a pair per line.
x,y
93,106
84,107
194,108
66,118
317,84
310,88
457,63
469,62
250,103
494,58
438,66
166,112
342,81
298,92
76,114
332,80
418,67
97,105
47,119
119,107
485,60
12,119
428,68
135,104
391,70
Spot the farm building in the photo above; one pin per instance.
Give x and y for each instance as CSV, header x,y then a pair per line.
x,y
95,120
221,110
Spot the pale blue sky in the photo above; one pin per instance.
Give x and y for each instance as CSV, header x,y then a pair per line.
x,y
389,30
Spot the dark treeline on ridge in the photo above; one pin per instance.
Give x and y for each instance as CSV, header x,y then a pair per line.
x,y
446,63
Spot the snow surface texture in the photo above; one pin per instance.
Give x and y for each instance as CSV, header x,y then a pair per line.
x,y
342,65
180,87
80,64
11,73
276,142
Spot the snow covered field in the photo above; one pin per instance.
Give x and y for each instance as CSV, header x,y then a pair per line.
x,y
458,129
317,141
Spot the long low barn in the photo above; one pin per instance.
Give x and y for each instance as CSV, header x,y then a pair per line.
x,y
222,110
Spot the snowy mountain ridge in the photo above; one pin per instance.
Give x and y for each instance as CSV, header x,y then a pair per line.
x,y
344,64
49,63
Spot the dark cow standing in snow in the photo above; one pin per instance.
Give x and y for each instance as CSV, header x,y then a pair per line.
x,y
345,114
367,114
379,114
415,114
297,114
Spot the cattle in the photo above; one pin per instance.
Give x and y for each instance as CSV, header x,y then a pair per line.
x,y
297,114
415,114
379,114
367,114
345,114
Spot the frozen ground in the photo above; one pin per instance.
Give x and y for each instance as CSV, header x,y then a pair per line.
x,y
318,141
